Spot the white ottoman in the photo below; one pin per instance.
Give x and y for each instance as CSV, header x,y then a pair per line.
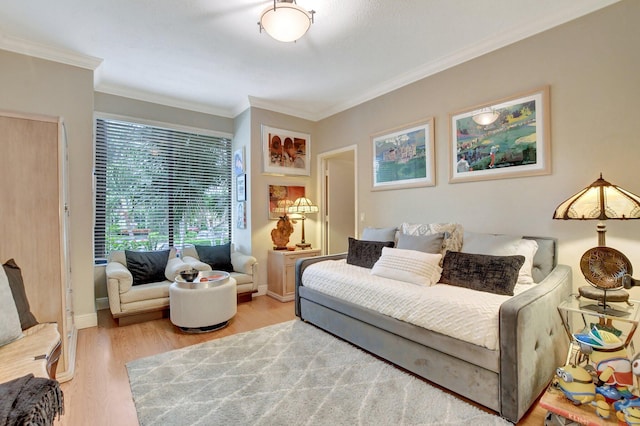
x,y
203,306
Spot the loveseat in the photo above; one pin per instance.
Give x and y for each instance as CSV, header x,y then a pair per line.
x,y
503,361
138,282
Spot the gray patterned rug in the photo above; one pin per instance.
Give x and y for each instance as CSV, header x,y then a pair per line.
x,y
287,374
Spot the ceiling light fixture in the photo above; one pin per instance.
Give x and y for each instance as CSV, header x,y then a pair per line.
x,y
286,21
485,116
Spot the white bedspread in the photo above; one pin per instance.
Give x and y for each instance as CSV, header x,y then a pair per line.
x,y
468,315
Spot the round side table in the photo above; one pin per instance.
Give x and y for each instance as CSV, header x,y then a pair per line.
x,y
197,307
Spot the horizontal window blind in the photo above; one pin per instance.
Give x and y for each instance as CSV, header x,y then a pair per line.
x,y
158,187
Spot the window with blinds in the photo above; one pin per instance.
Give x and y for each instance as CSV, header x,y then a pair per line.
x,y
158,187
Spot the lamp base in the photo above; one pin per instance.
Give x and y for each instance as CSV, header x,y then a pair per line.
x,y
606,310
304,245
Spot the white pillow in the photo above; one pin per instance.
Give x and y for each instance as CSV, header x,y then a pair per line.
x,y
10,329
410,266
503,245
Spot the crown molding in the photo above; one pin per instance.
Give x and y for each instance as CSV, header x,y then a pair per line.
x,y
276,107
482,47
42,51
155,98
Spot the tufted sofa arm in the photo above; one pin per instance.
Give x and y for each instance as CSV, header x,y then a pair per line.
x,y
530,325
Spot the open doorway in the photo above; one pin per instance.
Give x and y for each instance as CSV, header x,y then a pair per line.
x,y
338,186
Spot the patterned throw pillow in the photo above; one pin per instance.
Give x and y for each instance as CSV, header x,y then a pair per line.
x,y
454,233
410,266
493,274
365,253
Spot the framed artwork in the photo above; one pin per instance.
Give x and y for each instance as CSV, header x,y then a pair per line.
x,y
503,139
280,196
286,152
241,216
404,157
241,188
238,161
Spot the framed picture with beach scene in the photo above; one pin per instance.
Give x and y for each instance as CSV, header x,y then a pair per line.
x,y
403,157
502,139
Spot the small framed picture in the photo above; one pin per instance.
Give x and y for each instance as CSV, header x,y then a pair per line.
x,y
404,157
241,187
238,161
286,152
241,216
282,196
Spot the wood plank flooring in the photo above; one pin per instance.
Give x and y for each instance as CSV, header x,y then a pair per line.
x,y
99,394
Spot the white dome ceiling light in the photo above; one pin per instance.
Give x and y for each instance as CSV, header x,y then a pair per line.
x,y
285,21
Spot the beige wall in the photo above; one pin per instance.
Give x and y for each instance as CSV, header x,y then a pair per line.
x,y
593,67
36,86
261,226
591,64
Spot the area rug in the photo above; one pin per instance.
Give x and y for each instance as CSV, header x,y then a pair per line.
x,y
287,374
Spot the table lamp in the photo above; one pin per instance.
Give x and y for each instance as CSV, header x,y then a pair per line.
x,y
605,268
303,206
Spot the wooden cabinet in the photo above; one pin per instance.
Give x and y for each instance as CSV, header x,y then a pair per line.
x,y
281,272
35,221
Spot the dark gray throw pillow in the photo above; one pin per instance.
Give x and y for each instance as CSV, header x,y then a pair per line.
x,y
218,257
14,275
365,253
493,274
147,266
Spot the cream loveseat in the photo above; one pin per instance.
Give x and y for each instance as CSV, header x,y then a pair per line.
x,y
130,302
506,374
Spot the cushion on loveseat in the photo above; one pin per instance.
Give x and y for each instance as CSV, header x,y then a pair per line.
x,y
14,276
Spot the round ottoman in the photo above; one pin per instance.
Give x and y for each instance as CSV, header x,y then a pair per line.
x,y
197,307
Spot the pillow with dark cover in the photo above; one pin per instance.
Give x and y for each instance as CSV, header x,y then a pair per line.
x,y
493,274
147,266
218,257
14,275
365,253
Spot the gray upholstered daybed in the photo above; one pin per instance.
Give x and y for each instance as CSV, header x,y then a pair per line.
x,y
531,339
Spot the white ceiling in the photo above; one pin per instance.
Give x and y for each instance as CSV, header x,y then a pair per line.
x,y
208,55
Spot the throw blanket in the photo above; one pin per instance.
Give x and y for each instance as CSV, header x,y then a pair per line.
x,y
468,315
30,400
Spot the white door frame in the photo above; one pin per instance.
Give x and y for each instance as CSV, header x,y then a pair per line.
x,y
322,159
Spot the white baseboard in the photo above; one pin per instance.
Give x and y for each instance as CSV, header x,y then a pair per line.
x,y
262,290
86,320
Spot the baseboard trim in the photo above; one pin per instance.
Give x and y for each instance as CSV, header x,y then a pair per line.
x,y
86,320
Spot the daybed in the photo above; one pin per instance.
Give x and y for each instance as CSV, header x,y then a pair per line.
x,y
138,282
529,339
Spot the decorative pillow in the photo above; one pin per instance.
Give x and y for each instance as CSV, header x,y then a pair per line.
x,y
14,276
410,266
218,257
147,266
425,243
365,253
379,234
493,274
453,238
9,320
503,245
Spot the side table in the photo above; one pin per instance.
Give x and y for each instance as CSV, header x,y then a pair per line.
x,y
579,317
281,272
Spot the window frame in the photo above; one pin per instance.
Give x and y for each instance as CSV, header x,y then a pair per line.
x,y
101,255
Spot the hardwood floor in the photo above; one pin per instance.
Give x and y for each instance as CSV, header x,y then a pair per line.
x,y
99,394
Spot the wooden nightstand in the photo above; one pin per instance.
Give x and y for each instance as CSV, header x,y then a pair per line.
x,y
281,272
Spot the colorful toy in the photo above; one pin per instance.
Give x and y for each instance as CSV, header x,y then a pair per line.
x,y
576,384
608,357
